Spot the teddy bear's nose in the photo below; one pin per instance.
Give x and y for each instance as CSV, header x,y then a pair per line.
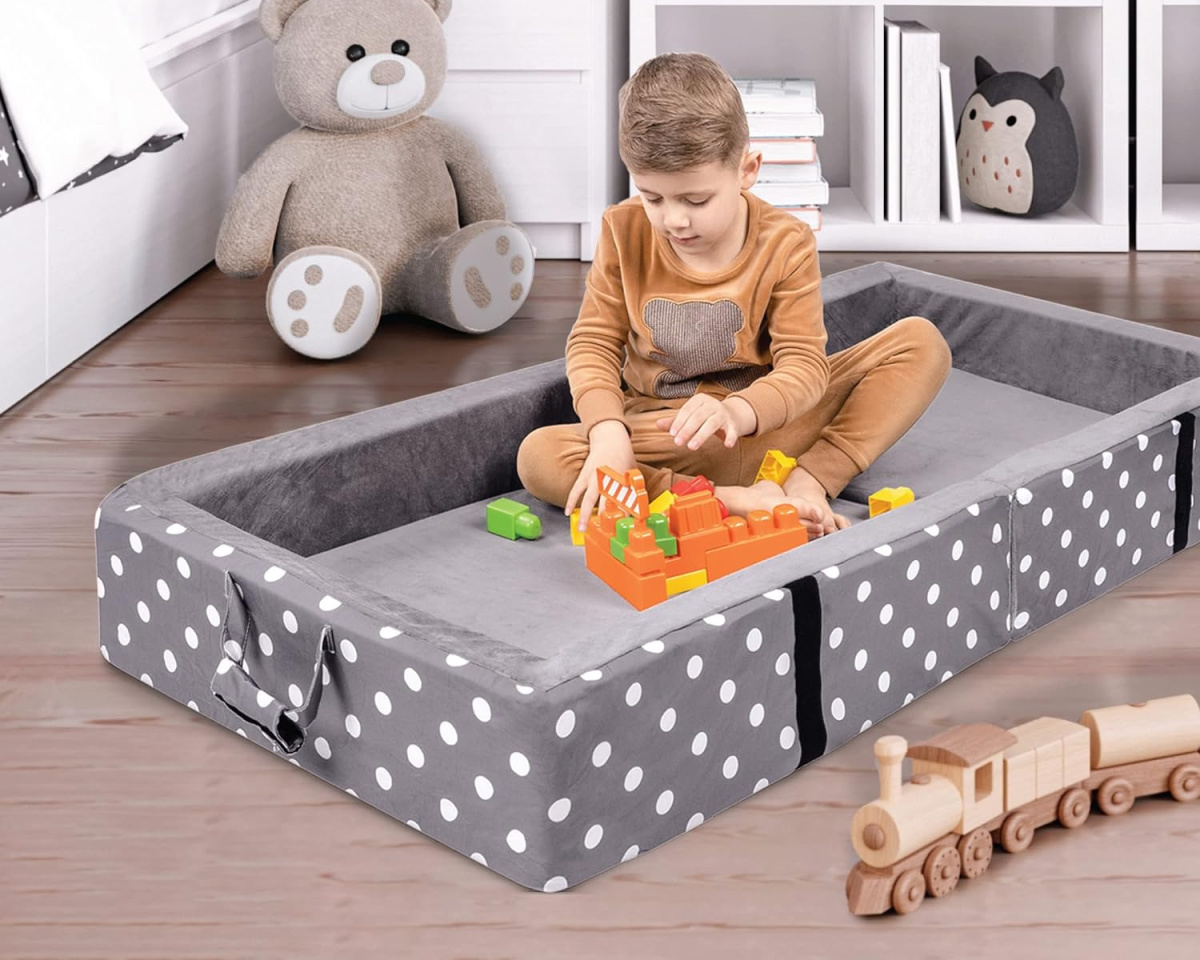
x,y
387,72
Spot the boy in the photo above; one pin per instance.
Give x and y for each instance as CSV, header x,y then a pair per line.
x,y
702,316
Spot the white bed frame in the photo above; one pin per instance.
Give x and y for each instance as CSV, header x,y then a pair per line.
x,y
75,268
533,81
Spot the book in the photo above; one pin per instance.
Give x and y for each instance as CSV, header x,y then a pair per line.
x,y
778,96
920,123
790,172
891,126
785,124
951,200
793,194
785,149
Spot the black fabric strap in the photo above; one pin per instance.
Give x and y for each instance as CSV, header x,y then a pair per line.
x,y
806,660
1184,470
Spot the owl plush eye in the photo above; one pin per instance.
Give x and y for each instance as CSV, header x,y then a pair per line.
x,y
972,115
355,52
1011,121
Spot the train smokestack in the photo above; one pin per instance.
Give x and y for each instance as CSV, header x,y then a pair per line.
x,y
889,754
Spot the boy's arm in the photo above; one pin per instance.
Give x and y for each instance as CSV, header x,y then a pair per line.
x,y
796,326
596,344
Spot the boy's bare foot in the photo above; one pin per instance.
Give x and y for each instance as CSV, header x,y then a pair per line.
x,y
815,512
801,483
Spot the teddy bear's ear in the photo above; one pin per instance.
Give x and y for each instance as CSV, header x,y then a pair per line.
x,y
441,8
273,14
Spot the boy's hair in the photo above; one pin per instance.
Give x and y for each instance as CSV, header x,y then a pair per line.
x,y
678,111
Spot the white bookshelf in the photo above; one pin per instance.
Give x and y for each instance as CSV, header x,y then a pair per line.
x,y
840,45
1168,125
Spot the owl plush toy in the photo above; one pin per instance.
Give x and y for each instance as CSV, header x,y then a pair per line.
x,y
1015,143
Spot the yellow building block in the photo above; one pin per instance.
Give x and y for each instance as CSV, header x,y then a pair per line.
x,y
577,535
889,498
686,581
775,467
662,502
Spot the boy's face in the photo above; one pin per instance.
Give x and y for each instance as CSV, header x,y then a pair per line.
x,y
697,209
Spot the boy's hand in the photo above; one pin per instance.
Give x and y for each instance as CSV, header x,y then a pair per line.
x,y
703,415
610,446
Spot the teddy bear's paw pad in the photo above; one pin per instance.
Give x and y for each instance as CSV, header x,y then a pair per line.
x,y
490,279
324,305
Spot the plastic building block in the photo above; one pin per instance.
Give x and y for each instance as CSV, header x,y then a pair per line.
x,y
662,502
757,537
889,498
978,784
577,535
509,519
620,540
641,589
662,533
775,467
696,485
686,581
629,491
649,557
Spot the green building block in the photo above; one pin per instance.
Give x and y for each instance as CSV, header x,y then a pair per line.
x,y
661,526
617,544
509,519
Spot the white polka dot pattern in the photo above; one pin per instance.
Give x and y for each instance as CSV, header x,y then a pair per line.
x,y
938,597
1114,519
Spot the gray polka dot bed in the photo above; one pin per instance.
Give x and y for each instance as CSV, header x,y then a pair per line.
x,y
332,595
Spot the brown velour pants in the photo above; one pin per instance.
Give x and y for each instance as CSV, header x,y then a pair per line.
x,y
878,388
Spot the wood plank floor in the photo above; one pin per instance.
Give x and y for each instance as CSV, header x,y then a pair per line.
x,y
131,827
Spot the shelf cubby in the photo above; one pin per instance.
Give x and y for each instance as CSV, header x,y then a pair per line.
x,y
840,45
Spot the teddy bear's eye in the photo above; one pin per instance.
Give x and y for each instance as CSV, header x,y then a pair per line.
x,y
972,117
355,52
400,48
1011,121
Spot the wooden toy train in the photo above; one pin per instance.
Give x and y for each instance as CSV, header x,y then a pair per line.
x,y
978,783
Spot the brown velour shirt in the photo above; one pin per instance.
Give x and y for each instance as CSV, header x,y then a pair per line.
x,y
754,329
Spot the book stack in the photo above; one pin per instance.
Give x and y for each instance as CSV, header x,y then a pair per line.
x,y
784,123
921,176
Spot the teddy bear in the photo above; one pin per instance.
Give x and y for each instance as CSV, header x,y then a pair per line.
x,y
370,207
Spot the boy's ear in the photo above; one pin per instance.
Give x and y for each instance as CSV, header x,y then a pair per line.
x,y
273,14
751,166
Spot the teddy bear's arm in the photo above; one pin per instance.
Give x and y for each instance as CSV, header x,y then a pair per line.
x,y
245,244
478,195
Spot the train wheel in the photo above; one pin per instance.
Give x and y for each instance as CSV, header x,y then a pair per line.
x,y
1115,796
908,892
1016,833
943,867
975,852
1074,807
1185,783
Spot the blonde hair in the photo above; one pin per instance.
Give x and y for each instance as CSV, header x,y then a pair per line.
x,y
678,111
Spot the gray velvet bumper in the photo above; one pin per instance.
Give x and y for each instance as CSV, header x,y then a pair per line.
x,y
498,697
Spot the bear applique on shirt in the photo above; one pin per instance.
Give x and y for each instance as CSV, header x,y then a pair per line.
x,y
651,326
695,341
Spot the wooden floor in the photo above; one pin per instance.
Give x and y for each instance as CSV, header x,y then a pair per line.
x,y
132,827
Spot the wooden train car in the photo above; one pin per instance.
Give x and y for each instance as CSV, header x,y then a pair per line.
x,y
979,784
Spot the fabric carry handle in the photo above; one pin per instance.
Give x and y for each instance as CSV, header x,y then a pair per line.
x,y
233,686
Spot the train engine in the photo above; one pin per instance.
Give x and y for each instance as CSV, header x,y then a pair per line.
x,y
978,784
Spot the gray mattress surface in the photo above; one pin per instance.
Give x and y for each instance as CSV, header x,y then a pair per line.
x,y
501,588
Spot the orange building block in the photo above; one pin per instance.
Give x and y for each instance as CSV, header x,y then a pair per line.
x,y
640,590
760,536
